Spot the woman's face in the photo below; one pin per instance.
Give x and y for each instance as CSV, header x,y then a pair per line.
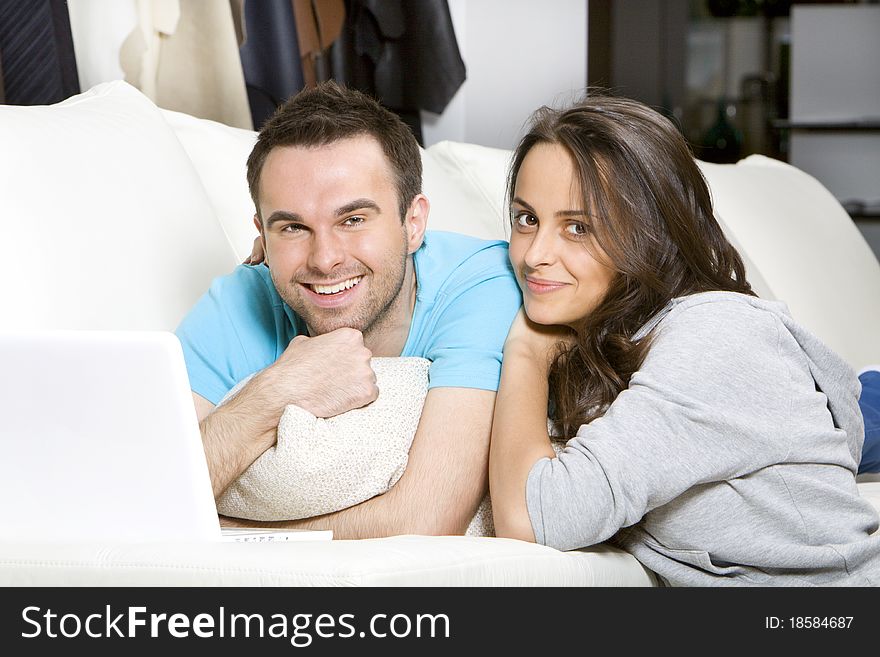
x,y
558,263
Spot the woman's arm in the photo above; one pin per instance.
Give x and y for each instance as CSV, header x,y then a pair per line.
x,y
712,402
519,429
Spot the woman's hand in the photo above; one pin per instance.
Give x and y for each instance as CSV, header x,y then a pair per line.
x,y
257,254
537,341
519,427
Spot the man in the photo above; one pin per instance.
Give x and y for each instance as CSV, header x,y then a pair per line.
x,y
336,182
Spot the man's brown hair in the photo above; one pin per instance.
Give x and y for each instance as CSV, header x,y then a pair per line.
x,y
329,113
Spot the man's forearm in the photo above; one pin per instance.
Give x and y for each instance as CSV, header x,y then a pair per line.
x,y
444,481
377,517
233,438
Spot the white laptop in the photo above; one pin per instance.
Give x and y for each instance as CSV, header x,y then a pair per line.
x,y
99,441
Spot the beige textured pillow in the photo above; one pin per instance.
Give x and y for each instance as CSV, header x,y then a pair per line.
x,y
321,465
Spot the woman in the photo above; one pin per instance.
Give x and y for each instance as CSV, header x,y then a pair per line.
x,y
715,439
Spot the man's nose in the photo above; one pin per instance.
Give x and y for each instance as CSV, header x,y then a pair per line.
x,y
327,251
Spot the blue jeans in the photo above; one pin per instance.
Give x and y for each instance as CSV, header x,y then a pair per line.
x,y
870,405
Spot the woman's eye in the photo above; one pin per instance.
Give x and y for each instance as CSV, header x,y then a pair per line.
x,y
577,229
525,220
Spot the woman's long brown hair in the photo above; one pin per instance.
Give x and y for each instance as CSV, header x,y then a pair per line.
x,y
651,213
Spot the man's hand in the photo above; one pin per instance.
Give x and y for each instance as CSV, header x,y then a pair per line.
x,y
325,375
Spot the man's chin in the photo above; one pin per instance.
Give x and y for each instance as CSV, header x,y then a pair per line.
x,y
321,329
319,325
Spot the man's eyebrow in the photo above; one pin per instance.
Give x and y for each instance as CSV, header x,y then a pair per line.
x,y
282,215
561,213
358,204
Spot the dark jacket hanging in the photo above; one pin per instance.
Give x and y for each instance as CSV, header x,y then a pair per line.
x,y
405,53
2,88
270,56
318,23
36,48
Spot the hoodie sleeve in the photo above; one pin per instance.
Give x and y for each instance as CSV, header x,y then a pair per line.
x,y
711,402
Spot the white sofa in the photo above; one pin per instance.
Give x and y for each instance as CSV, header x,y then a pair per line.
x,y
117,215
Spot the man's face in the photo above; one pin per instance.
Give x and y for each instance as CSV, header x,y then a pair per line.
x,y
334,242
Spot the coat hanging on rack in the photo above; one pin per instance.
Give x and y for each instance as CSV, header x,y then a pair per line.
x,y
36,50
2,91
405,53
318,25
183,54
270,56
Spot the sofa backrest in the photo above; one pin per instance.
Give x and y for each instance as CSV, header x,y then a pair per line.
x,y
105,224
117,215
807,249
219,155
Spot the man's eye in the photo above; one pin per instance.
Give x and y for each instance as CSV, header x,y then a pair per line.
x,y
354,221
291,228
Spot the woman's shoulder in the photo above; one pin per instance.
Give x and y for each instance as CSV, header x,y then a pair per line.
x,y
718,322
721,348
720,309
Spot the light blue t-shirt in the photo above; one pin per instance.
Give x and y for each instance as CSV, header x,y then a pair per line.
x,y
466,299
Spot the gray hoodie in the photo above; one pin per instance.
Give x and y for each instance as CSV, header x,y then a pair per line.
x,y
729,460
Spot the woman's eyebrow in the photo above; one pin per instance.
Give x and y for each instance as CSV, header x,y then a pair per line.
x,y
519,201
560,213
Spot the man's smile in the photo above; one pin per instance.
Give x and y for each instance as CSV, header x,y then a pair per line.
x,y
334,288
333,295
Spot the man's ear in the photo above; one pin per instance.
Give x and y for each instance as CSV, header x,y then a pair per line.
x,y
259,226
416,221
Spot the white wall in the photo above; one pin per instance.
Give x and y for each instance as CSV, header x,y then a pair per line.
x,y
98,28
519,54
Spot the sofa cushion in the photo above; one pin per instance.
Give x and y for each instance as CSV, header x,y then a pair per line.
x,y
219,154
465,184
807,249
106,224
394,561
